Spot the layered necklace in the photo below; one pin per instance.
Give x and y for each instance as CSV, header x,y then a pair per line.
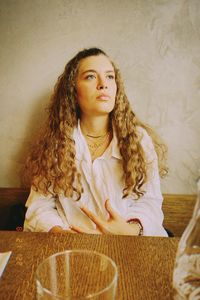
x,y
95,143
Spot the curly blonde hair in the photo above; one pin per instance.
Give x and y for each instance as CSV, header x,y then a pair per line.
x,y
50,167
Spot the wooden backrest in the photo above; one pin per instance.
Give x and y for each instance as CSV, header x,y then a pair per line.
x,y
12,210
177,209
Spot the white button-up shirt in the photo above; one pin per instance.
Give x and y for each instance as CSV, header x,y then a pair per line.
x,y
101,179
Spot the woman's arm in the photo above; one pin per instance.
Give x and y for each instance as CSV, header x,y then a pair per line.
x,y
41,214
148,209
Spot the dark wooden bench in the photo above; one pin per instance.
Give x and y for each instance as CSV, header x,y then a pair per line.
x,y
177,210
12,208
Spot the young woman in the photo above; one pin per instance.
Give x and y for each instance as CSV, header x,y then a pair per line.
x,y
95,168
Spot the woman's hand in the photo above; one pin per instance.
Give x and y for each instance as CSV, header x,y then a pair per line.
x,y
114,225
59,229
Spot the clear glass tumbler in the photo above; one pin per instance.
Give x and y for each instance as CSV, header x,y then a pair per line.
x,y
77,274
186,276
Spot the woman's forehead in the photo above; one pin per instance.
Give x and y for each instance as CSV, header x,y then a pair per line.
x,y
98,63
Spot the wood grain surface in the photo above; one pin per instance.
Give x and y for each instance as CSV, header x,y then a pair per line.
x,y
145,264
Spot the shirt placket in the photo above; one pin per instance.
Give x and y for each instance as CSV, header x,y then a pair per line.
x,y
88,171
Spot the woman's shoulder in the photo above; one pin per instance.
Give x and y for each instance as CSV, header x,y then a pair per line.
x,y
144,136
146,143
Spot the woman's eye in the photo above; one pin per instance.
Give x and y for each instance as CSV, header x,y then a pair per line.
x,y
110,76
90,76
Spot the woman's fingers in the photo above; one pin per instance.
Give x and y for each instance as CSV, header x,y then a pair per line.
x,y
83,230
101,224
113,214
115,225
70,231
110,226
92,217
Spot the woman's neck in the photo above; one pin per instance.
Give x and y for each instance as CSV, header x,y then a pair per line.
x,y
95,126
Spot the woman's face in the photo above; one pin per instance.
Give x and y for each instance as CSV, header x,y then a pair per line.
x,y
96,86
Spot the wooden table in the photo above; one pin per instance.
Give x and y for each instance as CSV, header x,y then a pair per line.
x,y
145,263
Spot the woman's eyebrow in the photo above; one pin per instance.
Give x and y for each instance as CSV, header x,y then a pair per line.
x,y
94,71
90,70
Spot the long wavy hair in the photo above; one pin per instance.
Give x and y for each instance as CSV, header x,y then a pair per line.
x,y
50,167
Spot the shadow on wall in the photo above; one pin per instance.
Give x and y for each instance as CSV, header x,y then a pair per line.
x,y
34,125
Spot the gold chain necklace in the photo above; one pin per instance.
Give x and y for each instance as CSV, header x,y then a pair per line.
x,y
96,137
96,145
100,138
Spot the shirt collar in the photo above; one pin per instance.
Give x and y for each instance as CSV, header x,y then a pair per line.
x,y
114,146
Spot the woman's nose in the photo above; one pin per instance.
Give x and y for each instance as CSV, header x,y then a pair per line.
x,y
101,84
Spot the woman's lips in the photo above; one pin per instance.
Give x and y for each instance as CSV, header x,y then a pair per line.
x,y
103,97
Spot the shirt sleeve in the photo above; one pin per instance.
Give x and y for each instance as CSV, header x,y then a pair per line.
x,y
41,214
148,208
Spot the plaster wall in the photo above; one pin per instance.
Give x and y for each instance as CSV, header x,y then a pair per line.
x,y
156,44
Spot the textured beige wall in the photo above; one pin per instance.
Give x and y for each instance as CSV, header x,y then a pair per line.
x,y
156,43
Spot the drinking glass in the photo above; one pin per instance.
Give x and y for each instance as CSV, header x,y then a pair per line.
x,y
77,274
